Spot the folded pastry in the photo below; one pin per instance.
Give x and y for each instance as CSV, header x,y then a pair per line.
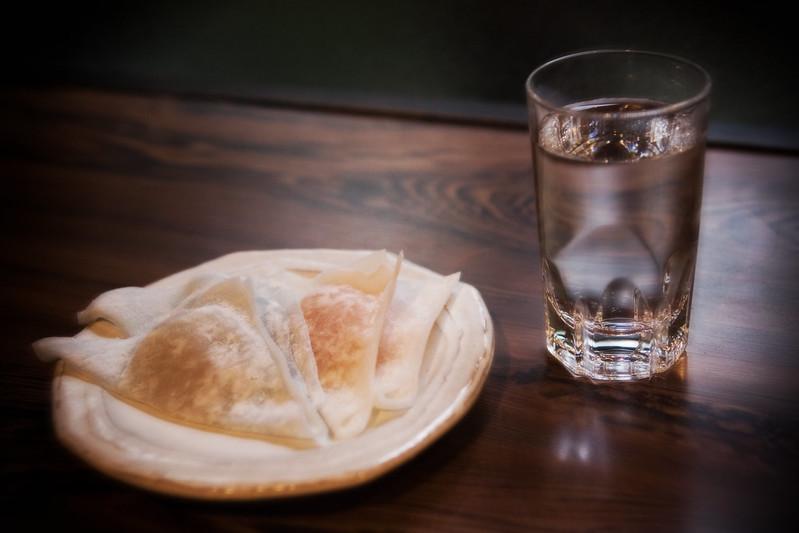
x,y
301,352
209,362
411,315
345,309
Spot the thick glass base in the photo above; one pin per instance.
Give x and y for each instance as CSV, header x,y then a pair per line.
x,y
618,350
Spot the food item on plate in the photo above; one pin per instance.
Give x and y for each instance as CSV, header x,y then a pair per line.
x,y
207,363
413,310
305,353
280,312
345,311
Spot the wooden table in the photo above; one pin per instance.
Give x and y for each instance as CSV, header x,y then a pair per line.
x,y
104,189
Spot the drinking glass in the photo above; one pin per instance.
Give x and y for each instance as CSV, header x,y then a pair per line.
x,y
618,150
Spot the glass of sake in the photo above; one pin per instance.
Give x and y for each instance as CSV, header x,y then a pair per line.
x,y
618,140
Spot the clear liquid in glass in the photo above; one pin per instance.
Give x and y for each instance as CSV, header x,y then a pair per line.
x,y
618,225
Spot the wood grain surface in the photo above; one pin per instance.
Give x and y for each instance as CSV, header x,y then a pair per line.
x,y
105,189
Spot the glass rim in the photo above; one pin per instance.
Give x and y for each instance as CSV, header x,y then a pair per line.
x,y
680,105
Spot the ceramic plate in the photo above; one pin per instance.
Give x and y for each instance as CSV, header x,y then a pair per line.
x,y
133,446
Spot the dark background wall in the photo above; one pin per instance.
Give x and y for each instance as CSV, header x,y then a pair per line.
x,y
468,58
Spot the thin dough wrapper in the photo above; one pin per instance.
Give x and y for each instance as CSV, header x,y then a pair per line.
x,y
206,364
135,310
280,314
215,371
103,358
345,311
413,311
278,318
